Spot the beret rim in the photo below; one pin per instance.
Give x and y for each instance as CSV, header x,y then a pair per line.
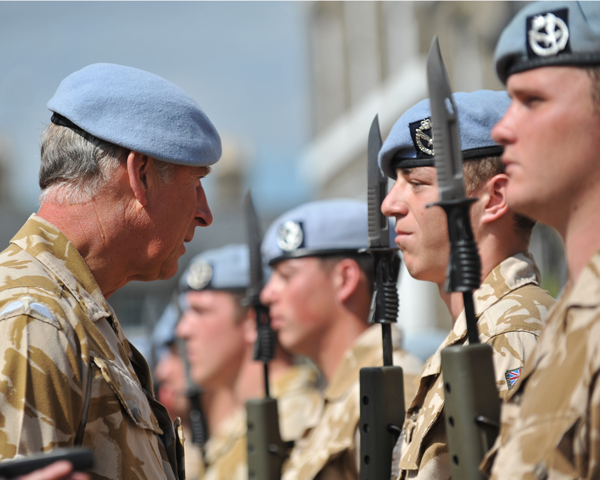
x,y
214,289
473,153
581,60
315,252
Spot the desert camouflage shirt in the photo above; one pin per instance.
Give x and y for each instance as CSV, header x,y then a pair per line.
x,y
68,375
299,404
330,450
511,308
551,421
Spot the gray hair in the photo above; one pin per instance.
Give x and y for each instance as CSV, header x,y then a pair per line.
x,y
76,165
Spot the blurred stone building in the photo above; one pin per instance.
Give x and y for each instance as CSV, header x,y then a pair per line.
x,y
367,59
11,218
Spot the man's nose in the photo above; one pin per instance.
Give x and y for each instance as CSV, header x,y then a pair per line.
x,y
204,216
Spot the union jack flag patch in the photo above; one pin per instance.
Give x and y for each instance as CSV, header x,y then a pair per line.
x,y
512,376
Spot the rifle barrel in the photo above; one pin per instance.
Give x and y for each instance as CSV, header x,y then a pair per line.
x,y
388,349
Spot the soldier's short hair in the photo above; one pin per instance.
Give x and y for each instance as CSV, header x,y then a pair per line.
x,y
364,261
75,165
594,74
477,171
241,306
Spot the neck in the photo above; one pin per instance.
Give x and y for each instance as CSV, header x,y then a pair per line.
x,y
250,381
338,339
94,230
219,405
581,237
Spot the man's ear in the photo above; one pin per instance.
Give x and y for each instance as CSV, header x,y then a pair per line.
x,y
493,194
137,171
249,327
346,278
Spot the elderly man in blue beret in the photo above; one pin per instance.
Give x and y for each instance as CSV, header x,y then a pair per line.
x,y
219,331
549,58
121,170
509,304
319,297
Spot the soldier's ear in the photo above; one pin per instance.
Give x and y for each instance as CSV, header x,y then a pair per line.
x,y
346,278
249,327
137,171
493,196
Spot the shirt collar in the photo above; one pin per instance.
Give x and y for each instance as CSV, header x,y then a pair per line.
x,y
510,274
57,253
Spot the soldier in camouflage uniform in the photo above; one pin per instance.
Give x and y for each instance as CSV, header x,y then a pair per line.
x,y
121,193
549,57
173,385
220,334
509,304
319,299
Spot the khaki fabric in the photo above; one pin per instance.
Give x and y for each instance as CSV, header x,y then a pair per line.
x,y
299,403
67,373
225,452
511,308
551,422
329,450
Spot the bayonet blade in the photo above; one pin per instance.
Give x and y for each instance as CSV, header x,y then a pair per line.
x,y
379,234
254,240
446,139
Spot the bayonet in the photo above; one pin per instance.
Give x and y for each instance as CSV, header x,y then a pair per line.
x,y
264,348
381,388
464,265
266,450
384,306
472,405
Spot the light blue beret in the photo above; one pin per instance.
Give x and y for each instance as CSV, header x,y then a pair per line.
x,y
320,228
164,330
410,142
226,268
550,33
139,111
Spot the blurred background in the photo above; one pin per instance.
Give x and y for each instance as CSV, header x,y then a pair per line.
x,y
292,87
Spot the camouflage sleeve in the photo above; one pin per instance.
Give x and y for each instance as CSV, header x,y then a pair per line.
x,y
40,384
510,351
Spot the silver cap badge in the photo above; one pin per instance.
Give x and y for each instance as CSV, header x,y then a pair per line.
x,y
199,275
290,236
548,35
421,136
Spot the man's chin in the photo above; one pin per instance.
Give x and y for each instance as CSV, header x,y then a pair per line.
x,y
168,270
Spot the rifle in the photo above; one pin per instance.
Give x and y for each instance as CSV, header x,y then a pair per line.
x,y
82,460
472,405
266,450
382,407
197,418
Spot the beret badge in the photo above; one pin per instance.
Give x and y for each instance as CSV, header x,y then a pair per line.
x,y
290,236
199,275
547,34
422,136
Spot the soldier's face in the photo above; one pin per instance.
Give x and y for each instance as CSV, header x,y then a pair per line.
x,y
172,384
421,232
177,208
300,296
551,142
214,338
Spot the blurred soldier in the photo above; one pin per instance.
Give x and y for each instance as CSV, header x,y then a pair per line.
x,y
549,57
509,304
319,297
121,170
172,382
219,334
